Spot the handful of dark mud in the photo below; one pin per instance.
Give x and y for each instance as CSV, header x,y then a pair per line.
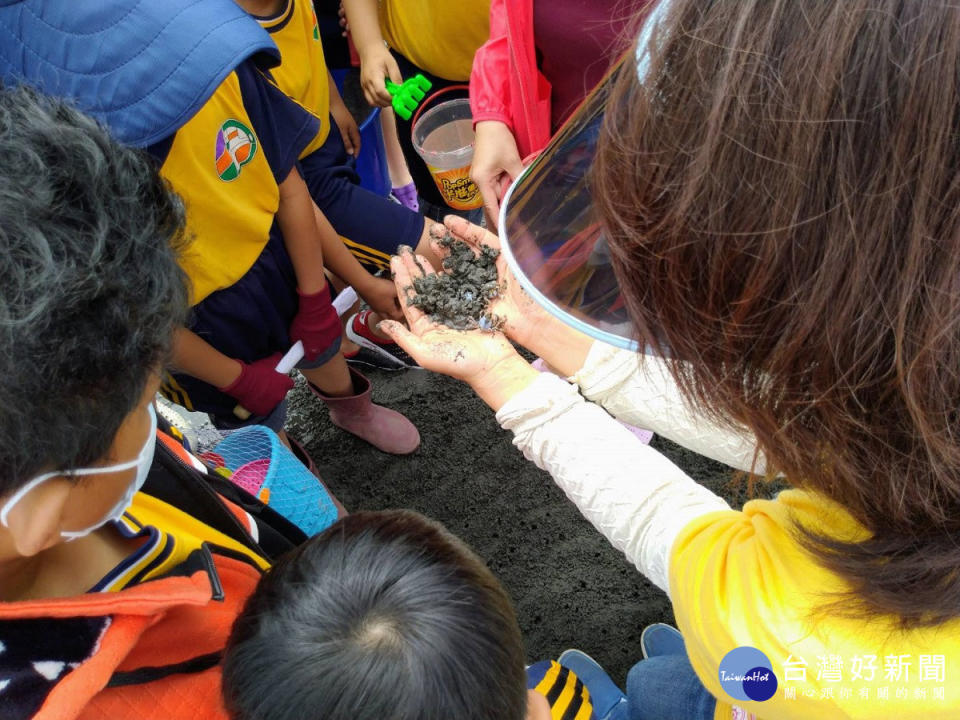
x,y
460,297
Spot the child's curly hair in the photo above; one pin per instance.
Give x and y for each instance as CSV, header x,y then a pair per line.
x,y
90,289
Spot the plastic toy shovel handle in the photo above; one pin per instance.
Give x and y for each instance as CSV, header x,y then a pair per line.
x,y
289,361
286,364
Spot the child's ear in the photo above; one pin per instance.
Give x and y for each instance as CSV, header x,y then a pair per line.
x,y
34,523
537,706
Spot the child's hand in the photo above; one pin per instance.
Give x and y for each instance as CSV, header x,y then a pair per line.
x,y
376,65
345,123
316,324
381,296
259,387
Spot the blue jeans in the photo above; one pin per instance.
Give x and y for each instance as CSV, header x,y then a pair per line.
x,y
666,688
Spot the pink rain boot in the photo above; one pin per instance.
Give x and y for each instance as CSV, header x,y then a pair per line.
x,y
383,428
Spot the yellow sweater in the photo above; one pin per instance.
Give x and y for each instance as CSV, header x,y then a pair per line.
x,y
439,37
743,579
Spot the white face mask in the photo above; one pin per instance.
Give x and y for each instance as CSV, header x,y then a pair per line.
x,y
141,463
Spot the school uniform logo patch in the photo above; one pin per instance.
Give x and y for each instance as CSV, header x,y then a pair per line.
x,y
236,146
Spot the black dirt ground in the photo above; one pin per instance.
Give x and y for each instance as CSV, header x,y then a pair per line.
x,y
571,588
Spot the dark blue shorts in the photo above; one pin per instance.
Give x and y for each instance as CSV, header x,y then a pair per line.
x,y
373,227
249,320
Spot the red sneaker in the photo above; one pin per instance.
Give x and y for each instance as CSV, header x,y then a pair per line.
x,y
375,351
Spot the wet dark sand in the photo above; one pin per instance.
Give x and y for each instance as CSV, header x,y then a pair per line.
x,y
571,588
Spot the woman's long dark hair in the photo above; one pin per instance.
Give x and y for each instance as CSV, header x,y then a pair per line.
x,y
782,196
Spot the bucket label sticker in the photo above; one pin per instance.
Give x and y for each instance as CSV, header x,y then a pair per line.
x,y
458,190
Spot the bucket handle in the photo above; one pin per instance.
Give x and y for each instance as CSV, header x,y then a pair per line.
x,y
431,98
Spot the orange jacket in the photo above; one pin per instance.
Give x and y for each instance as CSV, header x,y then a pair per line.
x,y
153,650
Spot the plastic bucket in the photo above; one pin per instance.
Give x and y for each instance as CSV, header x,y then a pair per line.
x,y
372,159
443,138
264,467
371,163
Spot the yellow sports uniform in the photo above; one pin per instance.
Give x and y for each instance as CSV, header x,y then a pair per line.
x,y
227,163
372,227
228,175
217,165
170,536
303,73
742,579
440,37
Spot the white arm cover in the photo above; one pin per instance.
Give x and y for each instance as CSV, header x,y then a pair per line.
x,y
631,493
638,389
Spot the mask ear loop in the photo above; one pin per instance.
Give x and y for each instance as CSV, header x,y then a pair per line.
x,y
22,493
142,464
40,479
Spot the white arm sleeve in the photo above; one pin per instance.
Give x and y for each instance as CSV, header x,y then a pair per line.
x,y
639,390
632,494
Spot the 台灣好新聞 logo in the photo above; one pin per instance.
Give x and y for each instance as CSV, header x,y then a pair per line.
x,y
747,674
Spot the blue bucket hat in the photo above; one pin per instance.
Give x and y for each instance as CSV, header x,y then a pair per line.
x,y
142,67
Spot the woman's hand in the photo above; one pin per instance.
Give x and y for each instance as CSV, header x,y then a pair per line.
x,y
376,65
484,359
523,318
526,322
381,295
496,162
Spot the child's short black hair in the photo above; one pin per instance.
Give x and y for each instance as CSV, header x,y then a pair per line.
x,y
384,615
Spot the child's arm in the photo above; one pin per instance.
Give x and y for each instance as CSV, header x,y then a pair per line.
x,y
316,323
313,243
257,386
379,293
200,359
344,120
301,235
376,62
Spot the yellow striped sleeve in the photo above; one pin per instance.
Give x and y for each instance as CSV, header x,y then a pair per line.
x,y
559,708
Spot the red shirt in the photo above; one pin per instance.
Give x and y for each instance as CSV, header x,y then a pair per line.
x,y
577,41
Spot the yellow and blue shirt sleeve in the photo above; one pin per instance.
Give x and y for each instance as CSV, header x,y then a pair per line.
x,y
226,163
568,697
286,128
302,73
